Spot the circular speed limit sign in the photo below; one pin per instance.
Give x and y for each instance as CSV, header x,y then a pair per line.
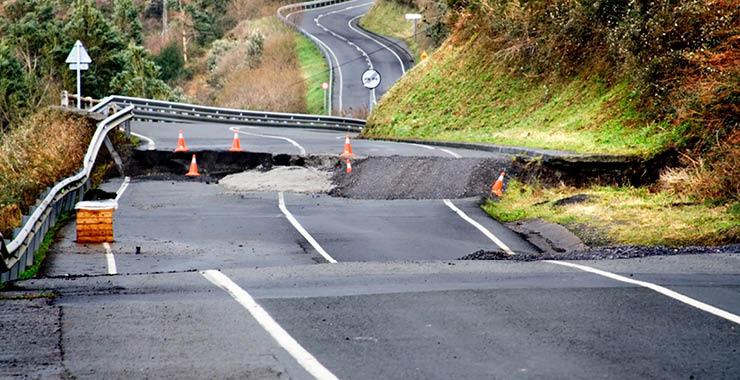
x,y
371,79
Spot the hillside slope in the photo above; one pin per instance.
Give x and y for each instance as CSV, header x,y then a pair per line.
x,y
614,77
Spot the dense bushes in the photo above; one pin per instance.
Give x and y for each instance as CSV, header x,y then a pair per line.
x,y
36,36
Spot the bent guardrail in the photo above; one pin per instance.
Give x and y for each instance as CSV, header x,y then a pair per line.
x,y
18,254
165,111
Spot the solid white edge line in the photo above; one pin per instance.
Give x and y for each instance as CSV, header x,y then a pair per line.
x,y
123,187
480,227
110,259
451,153
291,141
400,61
660,289
151,145
301,230
287,342
331,52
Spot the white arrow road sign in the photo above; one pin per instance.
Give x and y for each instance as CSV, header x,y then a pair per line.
x,y
82,58
78,60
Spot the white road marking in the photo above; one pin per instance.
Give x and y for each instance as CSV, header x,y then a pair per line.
x,y
367,56
122,188
477,225
400,61
287,342
110,259
151,145
451,153
291,141
301,230
327,48
662,290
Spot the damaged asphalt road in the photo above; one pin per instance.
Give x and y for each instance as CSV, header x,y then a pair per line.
x,y
365,280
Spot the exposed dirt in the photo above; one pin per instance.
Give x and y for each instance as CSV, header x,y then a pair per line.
x,y
418,178
284,178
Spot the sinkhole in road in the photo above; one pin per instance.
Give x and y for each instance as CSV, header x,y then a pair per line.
x,y
394,177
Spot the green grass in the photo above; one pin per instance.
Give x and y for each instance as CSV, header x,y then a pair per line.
x,y
622,215
386,17
40,255
463,94
315,72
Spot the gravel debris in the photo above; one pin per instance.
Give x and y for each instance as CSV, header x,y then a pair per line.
x,y
295,179
399,177
605,253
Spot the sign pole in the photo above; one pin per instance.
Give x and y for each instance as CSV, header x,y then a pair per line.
x,y
325,87
78,60
79,80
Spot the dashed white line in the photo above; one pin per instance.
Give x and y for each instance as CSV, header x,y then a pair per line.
x,y
287,342
400,61
662,290
480,227
110,259
302,231
291,141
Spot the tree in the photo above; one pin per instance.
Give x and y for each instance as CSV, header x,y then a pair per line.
x,y
126,18
102,41
139,75
33,33
13,87
170,62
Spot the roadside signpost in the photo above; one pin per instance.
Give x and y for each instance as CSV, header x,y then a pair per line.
x,y
371,80
325,87
415,17
78,60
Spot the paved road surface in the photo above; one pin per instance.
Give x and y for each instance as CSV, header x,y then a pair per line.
x,y
283,140
352,50
271,286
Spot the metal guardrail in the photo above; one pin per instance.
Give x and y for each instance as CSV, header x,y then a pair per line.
x,y
164,111
18,254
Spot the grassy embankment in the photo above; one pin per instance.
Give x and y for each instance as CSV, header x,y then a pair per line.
x,y
315,72
386,17
490,82
464,94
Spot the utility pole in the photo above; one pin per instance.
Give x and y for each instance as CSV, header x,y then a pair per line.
x,y
164,17
184,34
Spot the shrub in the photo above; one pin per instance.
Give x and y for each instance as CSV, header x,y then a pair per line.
x,y
45,148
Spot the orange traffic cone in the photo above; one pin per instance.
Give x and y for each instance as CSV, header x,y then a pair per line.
x,y
193,169
498,186
347,153
349,166
181,147
236,145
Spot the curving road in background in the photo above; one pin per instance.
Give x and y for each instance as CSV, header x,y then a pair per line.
x,y
352,51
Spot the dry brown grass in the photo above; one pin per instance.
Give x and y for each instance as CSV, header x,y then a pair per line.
x,y
717,177
33,156
275,83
